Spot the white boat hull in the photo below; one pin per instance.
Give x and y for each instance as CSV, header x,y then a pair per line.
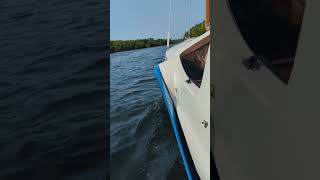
x,y
192,106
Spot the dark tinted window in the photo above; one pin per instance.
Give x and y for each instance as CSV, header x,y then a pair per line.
x,y
271,29
193,61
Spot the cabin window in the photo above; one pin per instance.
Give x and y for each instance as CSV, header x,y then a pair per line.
x,y
194,59
271,29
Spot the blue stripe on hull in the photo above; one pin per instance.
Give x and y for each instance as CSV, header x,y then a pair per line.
x,y
172,114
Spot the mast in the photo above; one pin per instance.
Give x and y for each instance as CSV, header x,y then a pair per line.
x,y
207,20
169,26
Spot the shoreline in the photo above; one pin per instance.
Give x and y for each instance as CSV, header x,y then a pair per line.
x,y
128,45
136,49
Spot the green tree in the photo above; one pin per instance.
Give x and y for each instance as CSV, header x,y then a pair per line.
x,y
196,30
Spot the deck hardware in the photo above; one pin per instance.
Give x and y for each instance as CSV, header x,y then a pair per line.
x,y
188,81
205,123
252,63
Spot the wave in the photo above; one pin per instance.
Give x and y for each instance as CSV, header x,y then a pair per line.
x,y
142,141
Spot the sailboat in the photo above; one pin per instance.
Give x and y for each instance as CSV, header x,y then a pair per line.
x,y
262,87
184,79
265,74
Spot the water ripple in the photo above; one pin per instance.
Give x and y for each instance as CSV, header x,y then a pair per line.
x,y
53,90
142,143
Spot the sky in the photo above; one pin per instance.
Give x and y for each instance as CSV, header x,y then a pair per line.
x,y
139,19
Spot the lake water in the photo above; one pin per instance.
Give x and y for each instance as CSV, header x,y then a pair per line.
x,y
142,143
53,90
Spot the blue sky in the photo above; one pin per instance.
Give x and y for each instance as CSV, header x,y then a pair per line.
x,y
138,19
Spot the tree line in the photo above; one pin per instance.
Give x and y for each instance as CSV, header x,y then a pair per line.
x,y
196,30
126,45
